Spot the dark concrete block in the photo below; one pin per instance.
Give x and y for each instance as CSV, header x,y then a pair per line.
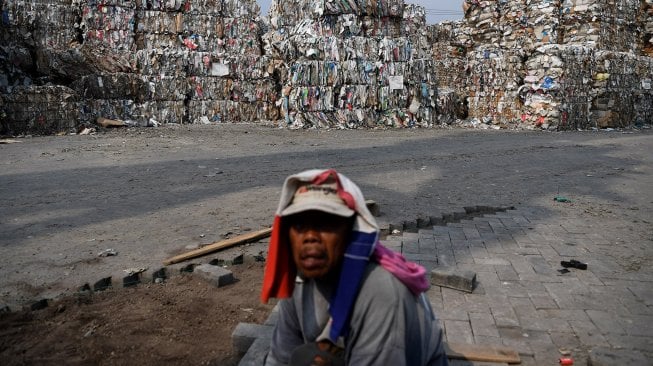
x,y
102,284
256,354
453,278
218,276
131,280
159,275
245,334
374,208
410,226
39,305
423,222
437,220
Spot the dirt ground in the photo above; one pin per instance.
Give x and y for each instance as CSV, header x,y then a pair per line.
x,y
184,321
153,193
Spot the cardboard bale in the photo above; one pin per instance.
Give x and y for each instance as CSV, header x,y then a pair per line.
x,y
40,110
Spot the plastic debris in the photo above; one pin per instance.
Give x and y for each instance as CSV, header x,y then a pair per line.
x,y
574,264
108,253
133,271
561,199
566,361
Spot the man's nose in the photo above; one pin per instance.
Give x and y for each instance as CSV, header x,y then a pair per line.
x,y
311,234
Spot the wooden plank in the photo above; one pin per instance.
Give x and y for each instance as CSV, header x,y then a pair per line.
x,y
481,353
210,248
105,122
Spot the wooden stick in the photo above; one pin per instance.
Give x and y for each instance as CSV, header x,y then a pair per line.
x,y
240,239
482,353
105,122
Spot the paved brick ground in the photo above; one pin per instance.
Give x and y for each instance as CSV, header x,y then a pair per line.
x,y
522,300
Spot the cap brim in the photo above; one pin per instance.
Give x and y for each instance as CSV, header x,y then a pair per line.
x,y
333,208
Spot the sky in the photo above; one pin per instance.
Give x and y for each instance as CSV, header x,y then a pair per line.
x,y
436,10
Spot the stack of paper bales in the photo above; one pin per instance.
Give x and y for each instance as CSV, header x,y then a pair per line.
x,y
554,65
449,47
353,64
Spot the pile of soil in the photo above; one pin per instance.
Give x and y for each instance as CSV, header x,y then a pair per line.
x,y
183,321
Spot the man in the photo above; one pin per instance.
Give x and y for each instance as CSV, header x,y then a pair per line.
x,y
346,299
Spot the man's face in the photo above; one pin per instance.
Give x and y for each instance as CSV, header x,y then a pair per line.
x,y
318,241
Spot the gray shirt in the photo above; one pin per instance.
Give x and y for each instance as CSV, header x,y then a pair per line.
x,y
389,325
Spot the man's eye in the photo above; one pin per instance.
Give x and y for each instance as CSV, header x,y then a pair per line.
x,y
299,226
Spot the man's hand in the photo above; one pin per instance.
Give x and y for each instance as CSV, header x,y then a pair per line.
x,y
323,353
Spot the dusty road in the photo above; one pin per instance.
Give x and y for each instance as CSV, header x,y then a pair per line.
x,y
152,193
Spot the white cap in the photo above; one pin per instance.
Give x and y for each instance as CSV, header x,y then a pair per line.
x,y
323,197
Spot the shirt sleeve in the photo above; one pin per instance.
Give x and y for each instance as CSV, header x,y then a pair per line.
x,y
287,335
390,326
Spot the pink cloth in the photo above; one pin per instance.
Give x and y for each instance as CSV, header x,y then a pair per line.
x,y
410,274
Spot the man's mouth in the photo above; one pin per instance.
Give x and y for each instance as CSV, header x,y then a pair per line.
x,y
313,260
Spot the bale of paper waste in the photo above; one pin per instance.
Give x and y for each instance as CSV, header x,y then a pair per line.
x,y
40,110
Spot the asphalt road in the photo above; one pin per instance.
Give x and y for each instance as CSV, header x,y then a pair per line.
x,y
152,193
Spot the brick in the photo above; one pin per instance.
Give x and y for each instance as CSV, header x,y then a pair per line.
x,y
504,316
543,301
545,325
452,278
588,334
507,273
565,340
216,275
479,252
508,244
428,264
523,308
540,265
246,333
427,245
610,357
482,325
492,261
410,246
410,237
476,303
568,250
412,257
512,289
634,325
569,315
435,297
489,279
425,233
463,255
605,321
255,356
458,331
452,298
445,253
471,233
516,338
644,344
488,341
588,277
456,233
394,245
